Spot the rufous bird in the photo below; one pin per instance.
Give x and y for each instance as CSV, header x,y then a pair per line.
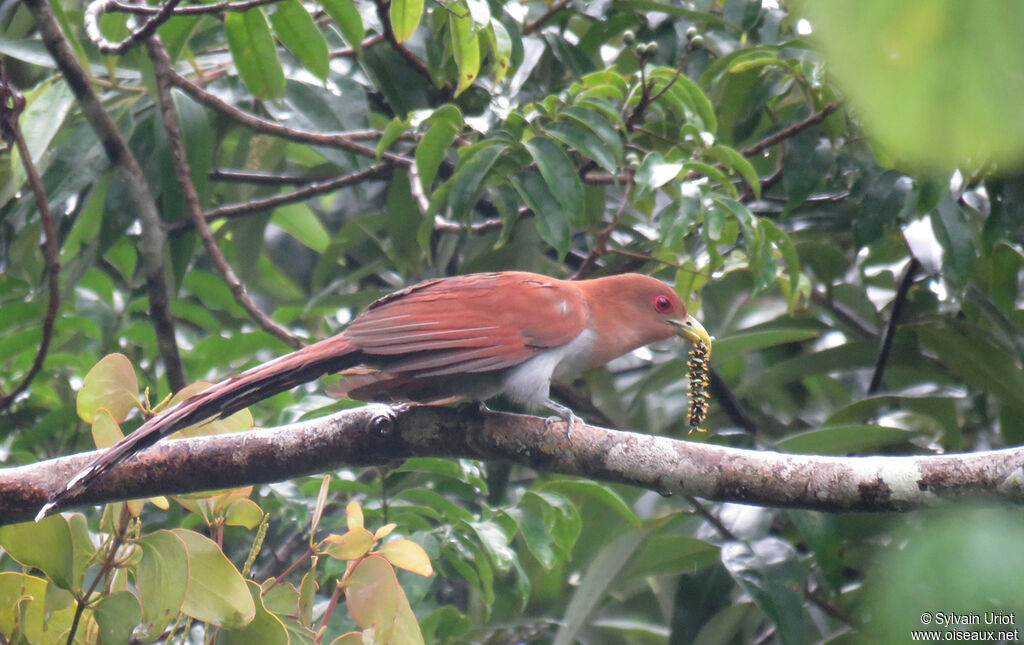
x,y
467,337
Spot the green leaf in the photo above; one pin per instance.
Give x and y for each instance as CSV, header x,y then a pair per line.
x,y
599,125
346,17
162,578
601,575
110,384
784,243
585,141
469,178
45,545
654,172
264,629
117,615
465,49
297,31
559,173
671,555
601,493
843,440
733,159
431,151
747,342
712,173
501,46
40,123
769,571
899,80
217,593
395,128
299,221
957,241
552,223
405,17
254,53
23,607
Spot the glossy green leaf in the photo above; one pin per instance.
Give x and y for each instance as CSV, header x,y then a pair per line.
x,y
264,629
584,489
599,125
405,17
465,49
302,223
117,615
559,173
553,224
585,141
254,52
346,16
45,545
654,172
431,151
745,343
733,159
395,128
217,593
297,31
469,178
501,47
162,579
111,384
769,571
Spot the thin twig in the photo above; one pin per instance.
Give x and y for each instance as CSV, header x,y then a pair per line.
x,y
334,140
909,274
259,205
790,131
152,239
348,52
531,27
161,68
260,177
731,404
97,8
11,105
844,314
601,243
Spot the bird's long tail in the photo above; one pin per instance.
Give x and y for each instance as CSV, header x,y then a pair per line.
x,y
222,399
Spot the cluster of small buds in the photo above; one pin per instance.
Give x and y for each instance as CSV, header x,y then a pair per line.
x,y
697,367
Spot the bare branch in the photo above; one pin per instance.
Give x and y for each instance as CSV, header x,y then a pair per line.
x,y
12,103
312,190
376,434
790,131
542,19
909,275
161,69
334,140
152,239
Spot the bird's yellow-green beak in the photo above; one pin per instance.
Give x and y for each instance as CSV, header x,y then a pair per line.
x,y
691,330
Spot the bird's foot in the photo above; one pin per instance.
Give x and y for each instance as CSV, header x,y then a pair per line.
x,y
564,414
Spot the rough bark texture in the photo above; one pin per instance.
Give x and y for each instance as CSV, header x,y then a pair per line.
x,y
377,434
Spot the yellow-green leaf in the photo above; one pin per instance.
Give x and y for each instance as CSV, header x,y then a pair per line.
x,y
162,579
405,17
45,545
465,47
217,593
406,554
354,544
254,52
110,384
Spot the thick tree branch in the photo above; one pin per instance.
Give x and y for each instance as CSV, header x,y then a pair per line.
x,y
152,239
376,434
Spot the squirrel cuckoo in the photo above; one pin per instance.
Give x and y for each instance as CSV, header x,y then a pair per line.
x,y
467,337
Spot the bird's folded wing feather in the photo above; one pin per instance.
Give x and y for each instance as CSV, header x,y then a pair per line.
x,y
468,324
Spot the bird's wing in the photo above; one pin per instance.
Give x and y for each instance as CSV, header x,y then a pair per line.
x,y
468,324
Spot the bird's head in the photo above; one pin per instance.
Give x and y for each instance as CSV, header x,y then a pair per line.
x,y
637,309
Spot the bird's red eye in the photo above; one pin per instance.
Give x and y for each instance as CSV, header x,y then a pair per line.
x,y
663,304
